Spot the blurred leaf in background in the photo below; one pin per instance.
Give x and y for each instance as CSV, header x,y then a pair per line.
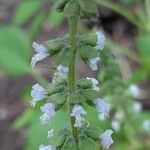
x,y
14,51
25,10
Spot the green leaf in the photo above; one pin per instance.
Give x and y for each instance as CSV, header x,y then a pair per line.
x,y
26,9
70,144
14,51
86,143
23,120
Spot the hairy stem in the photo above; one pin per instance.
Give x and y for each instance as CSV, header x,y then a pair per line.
x,y
73,22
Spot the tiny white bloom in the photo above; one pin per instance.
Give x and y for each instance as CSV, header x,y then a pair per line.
x,y
100,40
62,72
94,83
106,138
146,125
77,111
93,63
119,115
49,111
115,124
135,91
41,53
137,107
50,133
37,93
48,147
102,107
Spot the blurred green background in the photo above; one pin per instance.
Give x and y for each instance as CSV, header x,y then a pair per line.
x,y
126,23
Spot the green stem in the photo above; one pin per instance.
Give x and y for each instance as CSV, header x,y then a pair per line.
x,y
73,22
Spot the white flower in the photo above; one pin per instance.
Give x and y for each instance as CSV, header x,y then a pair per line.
x,y
146,125
50,133
107,139
37,93
77,111
41,53
62,72
49,111
135,91
102,107
48,147
137,107
94,83
115,125
93,63
100,40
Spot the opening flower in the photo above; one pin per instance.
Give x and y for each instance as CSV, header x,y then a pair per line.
x,y
41,53
100,40
49,111
77,111
102,107
62,72
94,83
37,93
106,138
93,63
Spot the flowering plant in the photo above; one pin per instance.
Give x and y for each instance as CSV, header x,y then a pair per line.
x,y
66,91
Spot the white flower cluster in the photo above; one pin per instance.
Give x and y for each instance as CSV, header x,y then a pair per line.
x,y
99,46
41,53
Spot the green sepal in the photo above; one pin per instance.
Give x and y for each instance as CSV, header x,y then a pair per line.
x,y
76,98
60,5
84,84
58,98
72,8
93,131
88,9
52,89
65,57
58,138
86,143
90,95
87,52
90,39
70,144
54,46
